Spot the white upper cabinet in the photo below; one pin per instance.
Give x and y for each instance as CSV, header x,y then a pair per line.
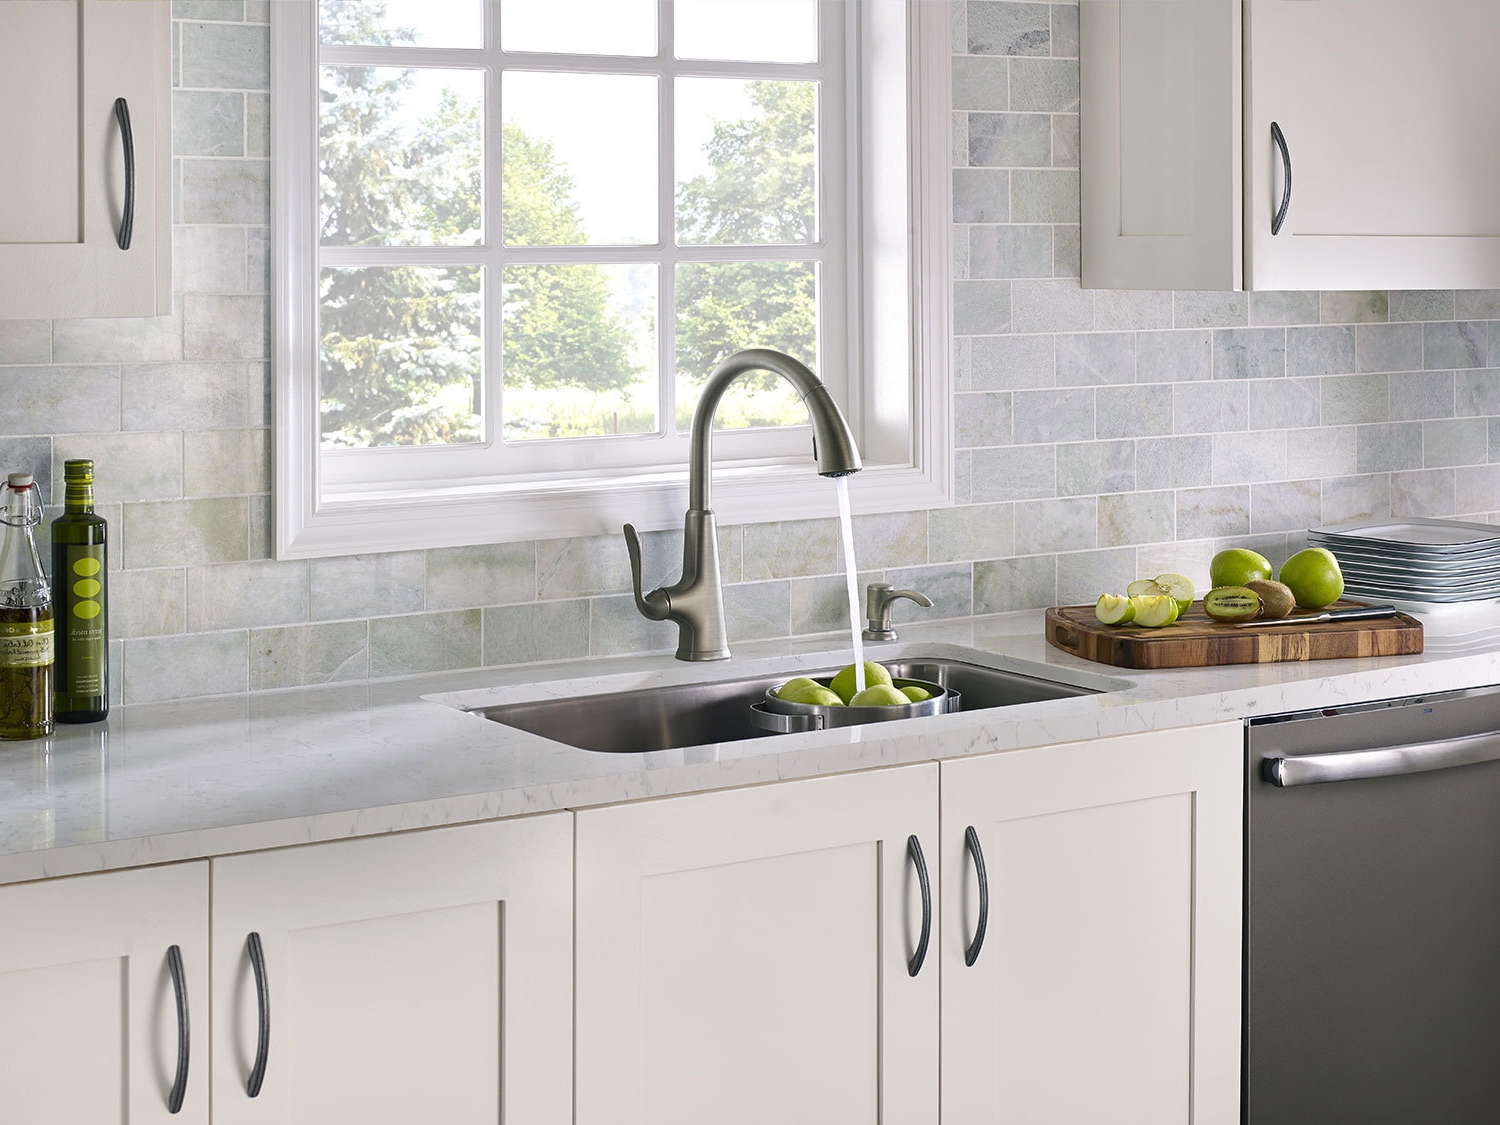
x,y
1159,108
1388,110
72,74
1385,108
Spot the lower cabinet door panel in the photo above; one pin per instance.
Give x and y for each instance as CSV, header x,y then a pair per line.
x,y
89,1030
418,977
743,957
1107,984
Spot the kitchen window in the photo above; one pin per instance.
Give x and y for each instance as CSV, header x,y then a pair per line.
x,y
515,236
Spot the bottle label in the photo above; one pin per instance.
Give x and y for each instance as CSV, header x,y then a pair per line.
x,y
25,644
81,611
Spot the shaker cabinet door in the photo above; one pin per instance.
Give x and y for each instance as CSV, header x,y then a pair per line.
x,y
1159,115
1384,127
66,193
89,998
425,976
1387,110
1106,984
744,957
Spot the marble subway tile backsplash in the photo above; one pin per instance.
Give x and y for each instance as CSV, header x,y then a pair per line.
x,y
1099,435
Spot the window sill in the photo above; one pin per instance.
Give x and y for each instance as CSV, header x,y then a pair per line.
x,y
470,514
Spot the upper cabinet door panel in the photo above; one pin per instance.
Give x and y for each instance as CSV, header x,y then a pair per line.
x,y
1386,107
41,174
1160,118
63,182
1388,111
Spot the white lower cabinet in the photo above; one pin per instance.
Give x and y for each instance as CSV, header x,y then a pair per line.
x,y
744,957
1107,983
419,977
89,1031
738,957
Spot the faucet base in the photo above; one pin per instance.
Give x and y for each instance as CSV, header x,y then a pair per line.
x,y
703,654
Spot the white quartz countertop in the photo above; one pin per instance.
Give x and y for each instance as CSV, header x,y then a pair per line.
x,y
164,782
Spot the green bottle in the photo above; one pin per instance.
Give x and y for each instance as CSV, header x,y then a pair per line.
x,y
80,599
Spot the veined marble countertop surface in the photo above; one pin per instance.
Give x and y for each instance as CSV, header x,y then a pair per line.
x,y
174,781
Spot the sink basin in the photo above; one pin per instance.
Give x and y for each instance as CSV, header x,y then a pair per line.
x,y
667,718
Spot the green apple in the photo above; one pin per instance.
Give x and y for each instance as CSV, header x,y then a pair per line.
x,y
1314,577
881,695
1115,609
1155,610
875,675
1236,566
914,693
786,690
1180,587
817,694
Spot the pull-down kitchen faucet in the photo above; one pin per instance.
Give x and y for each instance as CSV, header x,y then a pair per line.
x,y
696,600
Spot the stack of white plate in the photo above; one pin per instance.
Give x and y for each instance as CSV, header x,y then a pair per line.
x,y
1441,562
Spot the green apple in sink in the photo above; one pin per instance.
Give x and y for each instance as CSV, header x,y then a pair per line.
x,y
792,686
880,695
816,694
875,675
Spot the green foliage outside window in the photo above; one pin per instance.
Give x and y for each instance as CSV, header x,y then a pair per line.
x,y
401,346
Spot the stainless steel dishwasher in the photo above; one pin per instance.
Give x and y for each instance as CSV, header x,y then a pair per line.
x,y
1372,914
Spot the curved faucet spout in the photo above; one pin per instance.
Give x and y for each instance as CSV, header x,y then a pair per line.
x,y
833,444
696,600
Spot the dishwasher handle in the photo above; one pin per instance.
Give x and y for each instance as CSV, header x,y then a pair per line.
x,y
1389,761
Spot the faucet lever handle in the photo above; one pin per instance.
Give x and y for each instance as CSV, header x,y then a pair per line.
x,y
655,605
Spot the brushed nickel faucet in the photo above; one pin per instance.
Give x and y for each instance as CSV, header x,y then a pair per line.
x,y
696,600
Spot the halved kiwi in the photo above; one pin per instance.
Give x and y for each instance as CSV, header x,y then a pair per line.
x,y
1231,603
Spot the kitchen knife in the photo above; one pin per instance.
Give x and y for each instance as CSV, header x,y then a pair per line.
x,y
1359,614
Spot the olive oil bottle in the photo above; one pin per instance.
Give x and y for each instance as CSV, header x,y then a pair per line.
x,y
25,616
80,598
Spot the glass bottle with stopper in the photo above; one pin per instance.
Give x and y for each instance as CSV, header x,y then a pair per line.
x,y
26,650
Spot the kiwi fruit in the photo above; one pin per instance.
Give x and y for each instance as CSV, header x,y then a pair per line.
x,y
1231,603
1277,599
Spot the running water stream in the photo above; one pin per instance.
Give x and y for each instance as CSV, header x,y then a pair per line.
x,y
846,526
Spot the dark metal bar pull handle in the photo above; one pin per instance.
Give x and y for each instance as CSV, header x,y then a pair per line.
x,y
127,142
976,853
914,853
1389,761
263,1008
179,987
1286,179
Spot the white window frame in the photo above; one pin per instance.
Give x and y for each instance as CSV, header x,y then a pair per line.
x,y
897,348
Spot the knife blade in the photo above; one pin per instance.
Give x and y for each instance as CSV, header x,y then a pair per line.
x,y
1362,613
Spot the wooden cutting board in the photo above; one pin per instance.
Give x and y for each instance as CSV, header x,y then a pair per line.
x,y
1195,640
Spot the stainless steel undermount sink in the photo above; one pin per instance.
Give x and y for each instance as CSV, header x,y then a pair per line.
x,y
668,718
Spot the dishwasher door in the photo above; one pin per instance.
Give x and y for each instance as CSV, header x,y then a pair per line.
x,y
1372,915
